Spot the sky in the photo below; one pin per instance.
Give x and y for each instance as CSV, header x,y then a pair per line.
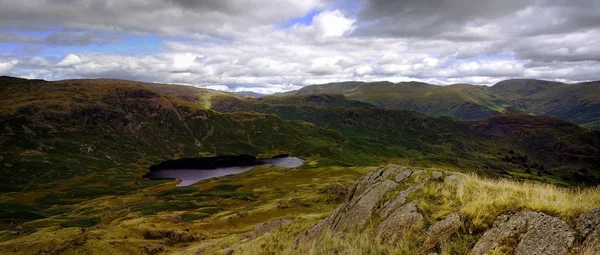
x,y
269,46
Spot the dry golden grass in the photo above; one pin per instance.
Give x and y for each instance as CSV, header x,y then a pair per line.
x,y
482,199
479,200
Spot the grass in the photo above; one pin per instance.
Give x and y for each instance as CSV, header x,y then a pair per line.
x,y
478,200
481,199
73,153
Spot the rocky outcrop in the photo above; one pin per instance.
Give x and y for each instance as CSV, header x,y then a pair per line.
x,y
266,227
405,218
526,233
368,200
588,226
387,203
441,231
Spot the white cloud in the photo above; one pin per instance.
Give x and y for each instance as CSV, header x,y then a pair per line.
x,y
244,45
332,24
7,66
69,60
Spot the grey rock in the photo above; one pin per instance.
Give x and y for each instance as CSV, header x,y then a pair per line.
x,y
400,199
441,231
362,198
530,233
403,175
268,226
588,226
403,219
437,176
358,211
391,171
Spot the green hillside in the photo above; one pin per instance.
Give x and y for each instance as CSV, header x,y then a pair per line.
x,y
501,144
73,153
576,103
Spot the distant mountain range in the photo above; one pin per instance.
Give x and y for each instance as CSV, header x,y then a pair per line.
x,y
56,130
73,154
249,93
577,103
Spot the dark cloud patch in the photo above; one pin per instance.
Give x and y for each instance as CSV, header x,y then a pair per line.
x,y
428,18
438,18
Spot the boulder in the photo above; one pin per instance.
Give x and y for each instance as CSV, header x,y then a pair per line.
x,y
266,227
522,233
405,218
361,201
403,175
588,226
400,199
441,231
437,176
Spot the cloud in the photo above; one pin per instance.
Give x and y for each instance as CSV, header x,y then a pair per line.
x,y
164,17
78,38
7,66
276,45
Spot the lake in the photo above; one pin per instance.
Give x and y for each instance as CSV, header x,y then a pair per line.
x,y
192,170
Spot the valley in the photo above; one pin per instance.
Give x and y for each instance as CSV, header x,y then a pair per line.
x,y
73,155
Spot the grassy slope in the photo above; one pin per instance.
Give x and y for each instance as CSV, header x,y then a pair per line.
x,y
505,144
64,129
88,142
577,103
478,200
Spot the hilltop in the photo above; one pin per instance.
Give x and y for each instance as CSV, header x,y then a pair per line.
x,y
464,101
73,154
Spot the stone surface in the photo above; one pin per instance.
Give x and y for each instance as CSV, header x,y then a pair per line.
x,y
437,176
405,218
588,226
268,226
362,198
400,199
530,233
441,231
391,171
403,175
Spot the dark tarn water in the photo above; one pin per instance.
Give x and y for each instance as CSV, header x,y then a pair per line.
x,y
189,176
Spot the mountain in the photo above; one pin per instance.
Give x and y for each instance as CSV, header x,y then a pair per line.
x,y
467,102
57,130
73,154
479,144
249,93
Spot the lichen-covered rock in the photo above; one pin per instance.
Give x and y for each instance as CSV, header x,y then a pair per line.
x,y
588,226
441,231
392,171
526,233
358,207
403,219
400,199
437,176
268,226
403,175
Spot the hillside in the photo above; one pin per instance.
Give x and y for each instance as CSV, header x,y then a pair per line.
x,y
386,210
464,101
511,145
63,129
73,153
